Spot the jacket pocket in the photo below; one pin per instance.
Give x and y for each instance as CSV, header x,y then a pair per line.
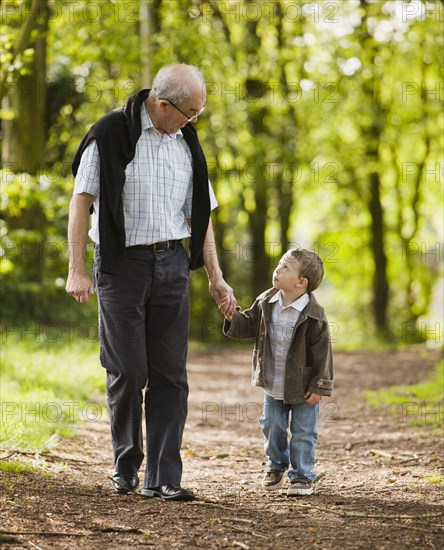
x,y
304,376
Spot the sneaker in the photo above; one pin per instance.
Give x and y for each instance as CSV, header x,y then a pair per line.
x,y
300,487
273,479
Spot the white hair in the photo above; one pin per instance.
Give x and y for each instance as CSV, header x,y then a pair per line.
x,y
177,83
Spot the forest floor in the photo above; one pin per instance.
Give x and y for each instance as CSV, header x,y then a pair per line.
x,y
380,478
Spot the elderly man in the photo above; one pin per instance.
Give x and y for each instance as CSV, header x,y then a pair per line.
x,y
142,173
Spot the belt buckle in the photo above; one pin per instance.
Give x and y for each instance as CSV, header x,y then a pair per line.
x,y
166,246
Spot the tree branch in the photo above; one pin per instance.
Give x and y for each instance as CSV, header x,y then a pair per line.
x,y
23,39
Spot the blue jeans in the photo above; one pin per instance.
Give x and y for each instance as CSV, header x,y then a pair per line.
x,y
298,451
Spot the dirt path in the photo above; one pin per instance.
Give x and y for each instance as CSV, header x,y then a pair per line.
x,y
375,470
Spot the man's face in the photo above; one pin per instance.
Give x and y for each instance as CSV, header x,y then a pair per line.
x,y
286,275
176,116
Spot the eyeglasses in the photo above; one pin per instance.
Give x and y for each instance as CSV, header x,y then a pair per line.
x,y
189,118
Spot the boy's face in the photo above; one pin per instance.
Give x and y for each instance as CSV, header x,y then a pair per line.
x,y
286,275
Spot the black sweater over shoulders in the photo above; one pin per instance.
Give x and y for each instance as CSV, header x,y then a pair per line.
x,y
116,134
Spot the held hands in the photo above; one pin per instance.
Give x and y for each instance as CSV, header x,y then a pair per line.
x,y
223,305
312,398
79,286
224,296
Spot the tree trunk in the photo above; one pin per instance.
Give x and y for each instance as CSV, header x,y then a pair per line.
x,y
24,135
377,245
148,26
372,137
289,132
255,89
25,139
257,253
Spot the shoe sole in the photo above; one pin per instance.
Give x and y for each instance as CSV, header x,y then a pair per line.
x,y
121,490
124,491
148,493
299,492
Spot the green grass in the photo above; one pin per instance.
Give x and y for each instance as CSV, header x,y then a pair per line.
x,y
16,467
419,404
438,478
45,388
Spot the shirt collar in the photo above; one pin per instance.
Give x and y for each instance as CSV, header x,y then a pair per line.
x,y
298,304
147,123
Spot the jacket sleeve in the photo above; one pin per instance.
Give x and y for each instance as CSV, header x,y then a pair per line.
x,y
245,324
320,358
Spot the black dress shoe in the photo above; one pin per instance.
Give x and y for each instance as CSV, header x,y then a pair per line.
x,y
125,483
168,492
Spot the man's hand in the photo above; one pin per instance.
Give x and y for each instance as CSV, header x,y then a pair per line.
x,y
221,292
224,296
312,398
79,286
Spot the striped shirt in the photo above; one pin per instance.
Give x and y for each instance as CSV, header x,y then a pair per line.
x,y
158,190
283,321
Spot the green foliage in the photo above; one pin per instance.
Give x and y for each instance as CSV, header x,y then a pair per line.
x,y
421,403
100,58
48,381
34,252
308,104
14,63
15,467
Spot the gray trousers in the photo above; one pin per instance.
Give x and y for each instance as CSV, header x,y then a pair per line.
x,y
143,327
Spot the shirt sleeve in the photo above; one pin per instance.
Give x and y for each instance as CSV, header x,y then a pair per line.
x,y
213,201
188,201
88,175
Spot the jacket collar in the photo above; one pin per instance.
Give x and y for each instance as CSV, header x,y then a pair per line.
x,y
299,304
312,309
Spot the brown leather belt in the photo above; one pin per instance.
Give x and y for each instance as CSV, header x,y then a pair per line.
x,y
157,247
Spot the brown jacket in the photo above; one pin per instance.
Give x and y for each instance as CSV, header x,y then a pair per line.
x,y
309,364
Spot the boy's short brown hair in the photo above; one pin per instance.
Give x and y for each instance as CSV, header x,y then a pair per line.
x,y
311,266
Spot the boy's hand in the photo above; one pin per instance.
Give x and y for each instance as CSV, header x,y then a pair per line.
x,y
312,398
224,305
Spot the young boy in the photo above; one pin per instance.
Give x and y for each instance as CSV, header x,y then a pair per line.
x,y
292,362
